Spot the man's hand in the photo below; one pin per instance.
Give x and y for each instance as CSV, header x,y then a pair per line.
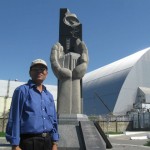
x,y
54,147
16,148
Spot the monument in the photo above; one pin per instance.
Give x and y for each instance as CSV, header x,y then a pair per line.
x,y
69,61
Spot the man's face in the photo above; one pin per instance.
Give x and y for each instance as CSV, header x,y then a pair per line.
x,y
38,73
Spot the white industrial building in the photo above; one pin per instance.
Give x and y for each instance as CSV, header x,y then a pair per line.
x,y
7,88
120,87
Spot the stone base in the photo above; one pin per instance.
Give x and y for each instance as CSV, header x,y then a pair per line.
x,y
71,118
78,133
70,138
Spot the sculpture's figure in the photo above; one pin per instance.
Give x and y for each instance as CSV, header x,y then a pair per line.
x,y
70,29
69,69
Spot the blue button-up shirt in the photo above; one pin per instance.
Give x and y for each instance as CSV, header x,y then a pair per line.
x,y
31,112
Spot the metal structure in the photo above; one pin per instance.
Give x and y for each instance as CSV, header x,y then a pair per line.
x,y
117,84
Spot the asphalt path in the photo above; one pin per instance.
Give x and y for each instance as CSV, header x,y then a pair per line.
x,y
121,142
124,142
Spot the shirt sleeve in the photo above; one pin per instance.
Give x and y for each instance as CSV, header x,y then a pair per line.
x,y
13,125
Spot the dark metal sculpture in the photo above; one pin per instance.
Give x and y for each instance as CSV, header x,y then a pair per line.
x,y
70,29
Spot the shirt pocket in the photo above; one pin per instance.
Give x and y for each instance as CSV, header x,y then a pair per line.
x,y
49,105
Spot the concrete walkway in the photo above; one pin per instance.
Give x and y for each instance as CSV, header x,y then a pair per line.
x,y
119,142
125,142
4,145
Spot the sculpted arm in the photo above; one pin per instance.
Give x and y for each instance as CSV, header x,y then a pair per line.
x,y
64,76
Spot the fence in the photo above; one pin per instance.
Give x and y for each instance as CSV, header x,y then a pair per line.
x,y
3,122
109,123
116,126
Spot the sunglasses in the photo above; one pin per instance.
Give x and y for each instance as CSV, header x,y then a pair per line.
x,y
38,69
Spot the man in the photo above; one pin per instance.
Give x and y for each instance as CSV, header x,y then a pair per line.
x,y
32,123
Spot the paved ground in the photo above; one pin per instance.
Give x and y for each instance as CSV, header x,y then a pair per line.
x,y
121,142
124,142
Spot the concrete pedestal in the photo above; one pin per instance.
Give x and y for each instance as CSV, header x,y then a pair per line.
x,y
78,133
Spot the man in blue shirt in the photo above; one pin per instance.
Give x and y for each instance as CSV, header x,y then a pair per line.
x,y
32,123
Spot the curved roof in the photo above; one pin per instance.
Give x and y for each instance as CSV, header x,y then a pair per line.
x,y
104,85
116,66
139,76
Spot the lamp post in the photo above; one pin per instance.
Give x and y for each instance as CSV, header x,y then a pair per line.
x,y
5,104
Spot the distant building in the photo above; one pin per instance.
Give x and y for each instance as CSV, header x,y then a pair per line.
x,y
7,88
120,87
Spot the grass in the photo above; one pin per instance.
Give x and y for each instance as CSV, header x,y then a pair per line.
x,y
2,134
147,144
114,132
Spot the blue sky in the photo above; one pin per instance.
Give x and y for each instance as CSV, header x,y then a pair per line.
x,y
112,29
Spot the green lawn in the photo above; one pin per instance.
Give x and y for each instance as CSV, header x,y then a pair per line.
x,y
147,144
2,134
114,133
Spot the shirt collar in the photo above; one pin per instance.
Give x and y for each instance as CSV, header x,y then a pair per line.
x,y
32,84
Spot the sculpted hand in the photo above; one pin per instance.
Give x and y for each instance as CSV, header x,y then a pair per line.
x,y
56,58
81,68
